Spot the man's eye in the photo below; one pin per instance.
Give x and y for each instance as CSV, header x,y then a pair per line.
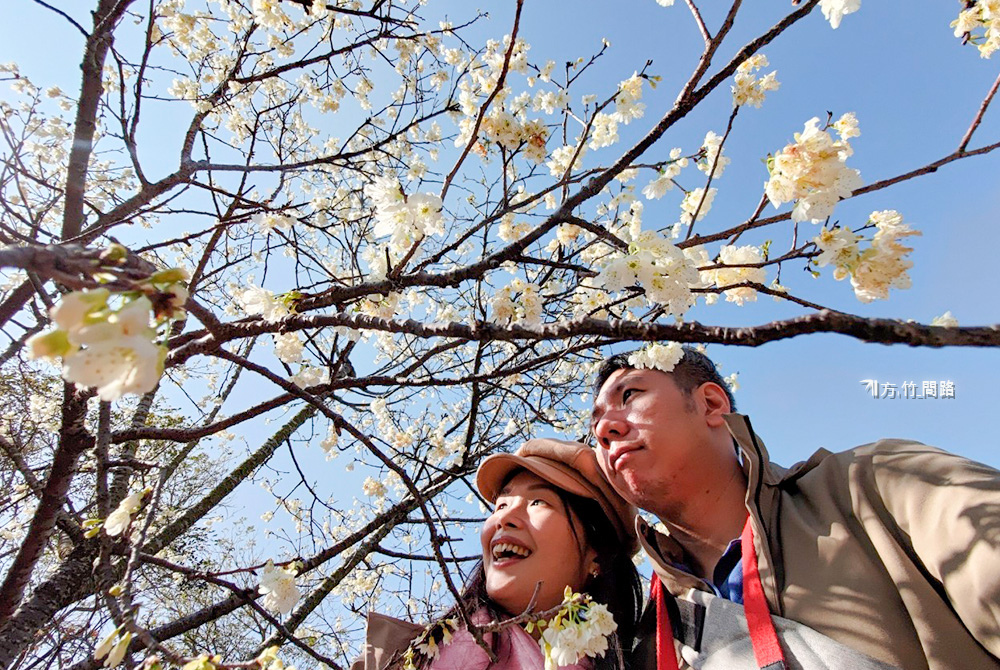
x,y
500,506
628,392
539,501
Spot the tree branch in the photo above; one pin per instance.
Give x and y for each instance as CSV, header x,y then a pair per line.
x,y
883,331
73,441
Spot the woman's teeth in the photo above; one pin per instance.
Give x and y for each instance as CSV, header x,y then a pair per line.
x,y
505,549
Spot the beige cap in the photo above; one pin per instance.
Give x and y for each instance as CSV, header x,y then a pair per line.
x,y
570,466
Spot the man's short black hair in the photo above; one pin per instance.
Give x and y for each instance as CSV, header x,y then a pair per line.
x,y
693,370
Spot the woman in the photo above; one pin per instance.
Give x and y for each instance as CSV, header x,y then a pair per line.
x,y
556,524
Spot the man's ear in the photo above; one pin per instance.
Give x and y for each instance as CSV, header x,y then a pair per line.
x,y
716,403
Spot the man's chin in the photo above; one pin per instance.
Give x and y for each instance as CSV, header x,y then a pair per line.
x,y
630,485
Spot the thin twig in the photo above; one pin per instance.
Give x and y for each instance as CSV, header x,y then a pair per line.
x,y
979,115
489,101
66,16
702,28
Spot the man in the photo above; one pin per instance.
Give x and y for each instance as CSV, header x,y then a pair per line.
x,y
892,548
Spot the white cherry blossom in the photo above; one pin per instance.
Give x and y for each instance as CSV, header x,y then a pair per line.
x,y
835,10
119,520
813,172
277,585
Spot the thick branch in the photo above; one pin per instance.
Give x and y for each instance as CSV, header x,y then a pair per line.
x,y
98,42
883,331
71,264
73,441
72,581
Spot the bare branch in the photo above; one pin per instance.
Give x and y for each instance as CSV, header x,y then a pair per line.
x,y
979,116
66,16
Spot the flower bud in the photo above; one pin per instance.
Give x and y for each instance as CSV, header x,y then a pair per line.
x,y
115,253
169,276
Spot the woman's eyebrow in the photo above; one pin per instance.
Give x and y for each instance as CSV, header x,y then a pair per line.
x,y
530,487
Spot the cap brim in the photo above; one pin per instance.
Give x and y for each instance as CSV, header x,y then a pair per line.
x,y
495,470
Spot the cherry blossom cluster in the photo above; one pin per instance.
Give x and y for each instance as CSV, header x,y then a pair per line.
x,y
426,646
664,181
565,159
268,221
512,131
373,488
518,302
120,519
258,301
712,162
603,131
696,204
627,101
113,348
748,89
507,124
277,585
112,649
580,629
405,219
268,660
981,22
873,271
813,172
738,265
655,264
657,357
946,320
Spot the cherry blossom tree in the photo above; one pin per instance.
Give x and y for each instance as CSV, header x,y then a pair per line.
x,y
266,235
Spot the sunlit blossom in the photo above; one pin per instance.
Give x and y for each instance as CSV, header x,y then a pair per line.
x,y
277,585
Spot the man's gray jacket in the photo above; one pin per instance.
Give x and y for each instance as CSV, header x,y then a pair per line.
x,y
891,548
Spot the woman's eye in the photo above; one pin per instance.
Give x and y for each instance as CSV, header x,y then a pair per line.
x,y
499,506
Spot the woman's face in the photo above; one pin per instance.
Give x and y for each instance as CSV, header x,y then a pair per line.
x,y
532,537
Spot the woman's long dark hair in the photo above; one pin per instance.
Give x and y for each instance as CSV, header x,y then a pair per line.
x,y
617,584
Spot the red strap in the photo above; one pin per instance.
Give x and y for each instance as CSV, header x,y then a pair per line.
x,y
763,637
666,654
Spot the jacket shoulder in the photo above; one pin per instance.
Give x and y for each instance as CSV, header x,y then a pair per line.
x,y
889,459
900,453
385,637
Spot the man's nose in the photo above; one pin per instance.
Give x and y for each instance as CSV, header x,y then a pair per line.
x,y
609,428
